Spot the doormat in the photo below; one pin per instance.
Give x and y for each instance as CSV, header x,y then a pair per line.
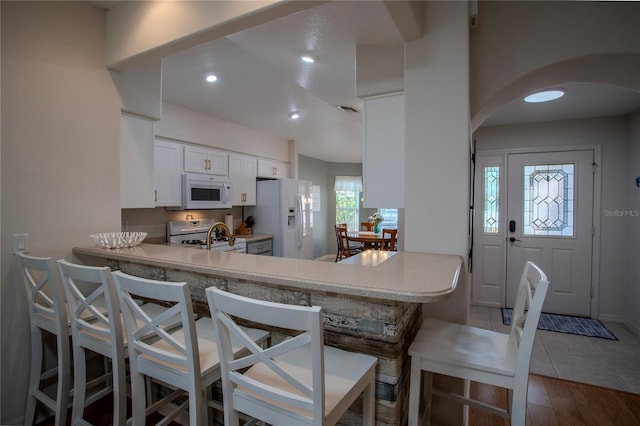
x,y
567,324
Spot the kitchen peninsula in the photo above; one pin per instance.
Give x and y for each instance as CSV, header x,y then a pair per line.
x,y
371,304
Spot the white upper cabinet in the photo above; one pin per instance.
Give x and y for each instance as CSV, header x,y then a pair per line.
x,y
383,157
205,160
243,170
136,162
168,171
272,169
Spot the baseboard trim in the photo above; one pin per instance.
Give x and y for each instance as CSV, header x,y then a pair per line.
x,y
611,318
633,328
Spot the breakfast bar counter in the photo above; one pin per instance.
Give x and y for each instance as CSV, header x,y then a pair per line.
x,y
404,276
372,302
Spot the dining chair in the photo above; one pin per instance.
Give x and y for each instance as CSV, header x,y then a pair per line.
x,y
185,359
47,313
480,355
96,325
366,226
345,249
391,244
296,381
339,241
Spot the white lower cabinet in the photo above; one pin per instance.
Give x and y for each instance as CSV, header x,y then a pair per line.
x,y
242,177
272,169
168,170
262,247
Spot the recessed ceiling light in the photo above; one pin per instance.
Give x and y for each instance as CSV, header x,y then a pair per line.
x,y
212,78
308,58
294,115
544,96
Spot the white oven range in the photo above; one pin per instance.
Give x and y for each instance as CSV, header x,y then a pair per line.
x,y
193,233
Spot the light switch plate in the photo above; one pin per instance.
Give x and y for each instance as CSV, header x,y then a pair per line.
x,y
21,243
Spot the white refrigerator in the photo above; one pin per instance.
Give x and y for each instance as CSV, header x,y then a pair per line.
x,y
283,209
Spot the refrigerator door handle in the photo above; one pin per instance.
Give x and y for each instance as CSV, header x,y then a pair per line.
x,y
299,217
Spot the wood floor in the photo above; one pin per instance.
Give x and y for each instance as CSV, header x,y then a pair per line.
x,y
552,402
557,402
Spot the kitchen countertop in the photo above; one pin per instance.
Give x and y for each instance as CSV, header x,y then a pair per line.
x,y
402,276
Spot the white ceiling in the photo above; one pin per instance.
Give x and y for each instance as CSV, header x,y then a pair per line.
x,y
262,79
581,100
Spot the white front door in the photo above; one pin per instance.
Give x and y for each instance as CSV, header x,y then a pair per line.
x,y
550,222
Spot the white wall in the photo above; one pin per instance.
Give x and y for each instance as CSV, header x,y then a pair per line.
x,y
60,154
437,154
190,126
632,282
612,135
143,30
516,39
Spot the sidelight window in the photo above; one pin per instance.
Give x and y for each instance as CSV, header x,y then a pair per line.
x,y
491,200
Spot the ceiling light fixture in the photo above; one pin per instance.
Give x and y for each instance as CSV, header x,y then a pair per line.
x,y
212,78
544,96
308,58
294,115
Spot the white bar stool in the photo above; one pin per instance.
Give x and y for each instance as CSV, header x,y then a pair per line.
x,y
96,324
298,381
481,355
186,359
47,312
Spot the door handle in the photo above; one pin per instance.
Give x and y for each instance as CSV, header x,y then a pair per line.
x,y
513,240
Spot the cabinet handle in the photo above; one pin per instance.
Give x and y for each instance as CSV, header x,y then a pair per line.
x,y
244,197
207,164
155,195
274,171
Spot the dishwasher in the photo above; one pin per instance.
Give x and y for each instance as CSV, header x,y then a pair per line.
x,y
261,247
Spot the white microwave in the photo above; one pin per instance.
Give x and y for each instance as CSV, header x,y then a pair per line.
x,y
200,191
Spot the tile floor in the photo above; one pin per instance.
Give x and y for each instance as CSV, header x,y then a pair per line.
x,y
608,363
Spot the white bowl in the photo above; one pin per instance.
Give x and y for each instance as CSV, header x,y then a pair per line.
x,y
118,239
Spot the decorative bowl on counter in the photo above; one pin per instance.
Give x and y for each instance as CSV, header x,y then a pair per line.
x,y
118,239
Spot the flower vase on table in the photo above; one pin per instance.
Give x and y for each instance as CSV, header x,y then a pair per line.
x,y
376,219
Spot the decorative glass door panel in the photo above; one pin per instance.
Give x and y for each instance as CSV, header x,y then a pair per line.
x,y
548,200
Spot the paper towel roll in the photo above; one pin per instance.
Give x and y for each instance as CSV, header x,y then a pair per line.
x,y
228,220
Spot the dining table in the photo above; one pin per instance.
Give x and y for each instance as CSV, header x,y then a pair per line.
x,y
370,240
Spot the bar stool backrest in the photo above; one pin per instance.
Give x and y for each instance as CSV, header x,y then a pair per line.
x,y
47,311
303,403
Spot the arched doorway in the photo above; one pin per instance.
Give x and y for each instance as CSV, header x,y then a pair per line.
x,y
495,258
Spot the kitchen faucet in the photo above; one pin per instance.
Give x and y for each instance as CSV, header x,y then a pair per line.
x,y
232,239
